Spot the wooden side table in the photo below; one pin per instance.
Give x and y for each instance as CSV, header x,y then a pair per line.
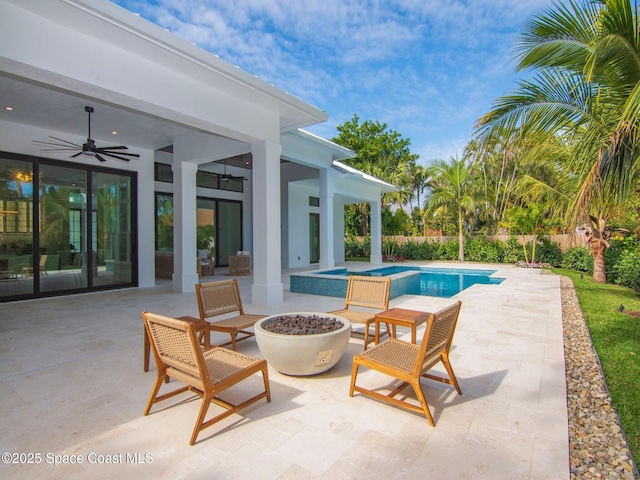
x,y
401,317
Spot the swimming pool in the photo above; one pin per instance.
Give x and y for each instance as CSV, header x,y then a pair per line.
x,y
405,280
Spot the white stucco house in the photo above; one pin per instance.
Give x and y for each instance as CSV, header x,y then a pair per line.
x,y
220,151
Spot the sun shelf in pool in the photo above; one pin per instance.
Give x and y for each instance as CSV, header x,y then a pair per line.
x,y
435,282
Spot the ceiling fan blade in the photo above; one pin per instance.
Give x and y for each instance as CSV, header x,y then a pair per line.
x,y
65,141
53,144
118,147
111,155
105,151
74,156
97,155
58,149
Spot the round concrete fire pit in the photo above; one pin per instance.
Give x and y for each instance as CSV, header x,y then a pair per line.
x,y
298,350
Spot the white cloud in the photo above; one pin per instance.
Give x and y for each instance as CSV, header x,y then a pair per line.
x,y
427,68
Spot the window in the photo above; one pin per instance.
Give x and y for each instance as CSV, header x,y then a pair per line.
x,y
206,179
164,222
314,202
163,173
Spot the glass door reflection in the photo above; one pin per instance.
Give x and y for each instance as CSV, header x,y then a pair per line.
x,y
63,263
113,236
16,228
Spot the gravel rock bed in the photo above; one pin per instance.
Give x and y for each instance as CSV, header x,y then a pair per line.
x,y
597,446
302,324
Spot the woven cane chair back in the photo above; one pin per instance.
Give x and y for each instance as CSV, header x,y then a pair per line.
x,y
370,292
218,298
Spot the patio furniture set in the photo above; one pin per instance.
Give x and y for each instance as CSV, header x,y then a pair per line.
x,y
182,347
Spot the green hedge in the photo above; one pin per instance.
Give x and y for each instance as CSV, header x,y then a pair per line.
x,y
622,259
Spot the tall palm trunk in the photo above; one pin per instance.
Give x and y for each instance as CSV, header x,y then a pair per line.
x,y
598,243
597,251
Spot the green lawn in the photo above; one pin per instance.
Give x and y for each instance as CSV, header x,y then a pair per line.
x,y
616,338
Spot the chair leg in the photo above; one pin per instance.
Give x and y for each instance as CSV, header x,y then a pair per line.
x,y
265,378
147,348
452,376
423,401
354,374
206,401
154,393
234,345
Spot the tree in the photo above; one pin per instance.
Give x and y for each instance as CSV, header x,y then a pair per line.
x,y
452,190
381,153
586,94
527,221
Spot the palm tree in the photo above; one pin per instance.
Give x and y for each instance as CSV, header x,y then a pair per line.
x,y
586,94
525,221
451,189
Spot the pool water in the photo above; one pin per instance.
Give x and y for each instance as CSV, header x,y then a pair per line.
x,y
435,282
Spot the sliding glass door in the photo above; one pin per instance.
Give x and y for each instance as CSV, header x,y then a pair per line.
x,y
112,238
64,228
16,227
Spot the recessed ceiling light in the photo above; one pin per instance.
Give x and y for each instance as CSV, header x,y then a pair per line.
x,y
114,133
9,108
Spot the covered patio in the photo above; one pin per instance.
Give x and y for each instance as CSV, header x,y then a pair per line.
x,y
72,383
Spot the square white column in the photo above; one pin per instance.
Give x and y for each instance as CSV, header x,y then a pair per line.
x,y
376,232
327,259
267,288
184,226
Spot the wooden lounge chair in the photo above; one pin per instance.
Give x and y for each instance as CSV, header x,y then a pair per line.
x,y
178,354
408,362
43,265
369,295
220,298
201,328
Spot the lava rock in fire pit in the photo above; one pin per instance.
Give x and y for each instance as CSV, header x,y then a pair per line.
x,y
301,325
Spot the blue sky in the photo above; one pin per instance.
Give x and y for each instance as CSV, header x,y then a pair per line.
x,y
426,68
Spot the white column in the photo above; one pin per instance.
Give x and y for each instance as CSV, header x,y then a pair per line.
x,y
267,288
326,220
184,226
146,220
338,229
376,232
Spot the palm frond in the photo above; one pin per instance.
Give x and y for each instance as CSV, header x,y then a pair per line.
x,y
560,36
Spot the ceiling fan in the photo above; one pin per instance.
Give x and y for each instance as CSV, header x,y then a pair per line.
x,y
226,177
89,148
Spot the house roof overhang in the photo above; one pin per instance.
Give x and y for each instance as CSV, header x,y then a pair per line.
x,y
357,176
59,55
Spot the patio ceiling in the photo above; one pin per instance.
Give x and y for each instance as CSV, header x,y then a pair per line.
x,y
61,112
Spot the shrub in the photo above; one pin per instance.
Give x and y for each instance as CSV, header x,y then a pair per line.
x,y
627,269
414,250
513,251
548,252
578,258
612,255
450,250
356,249
482,250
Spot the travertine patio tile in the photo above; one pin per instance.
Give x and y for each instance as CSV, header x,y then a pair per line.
x,y
71,380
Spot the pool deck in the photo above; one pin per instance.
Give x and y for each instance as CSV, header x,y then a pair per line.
x,y
71,383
